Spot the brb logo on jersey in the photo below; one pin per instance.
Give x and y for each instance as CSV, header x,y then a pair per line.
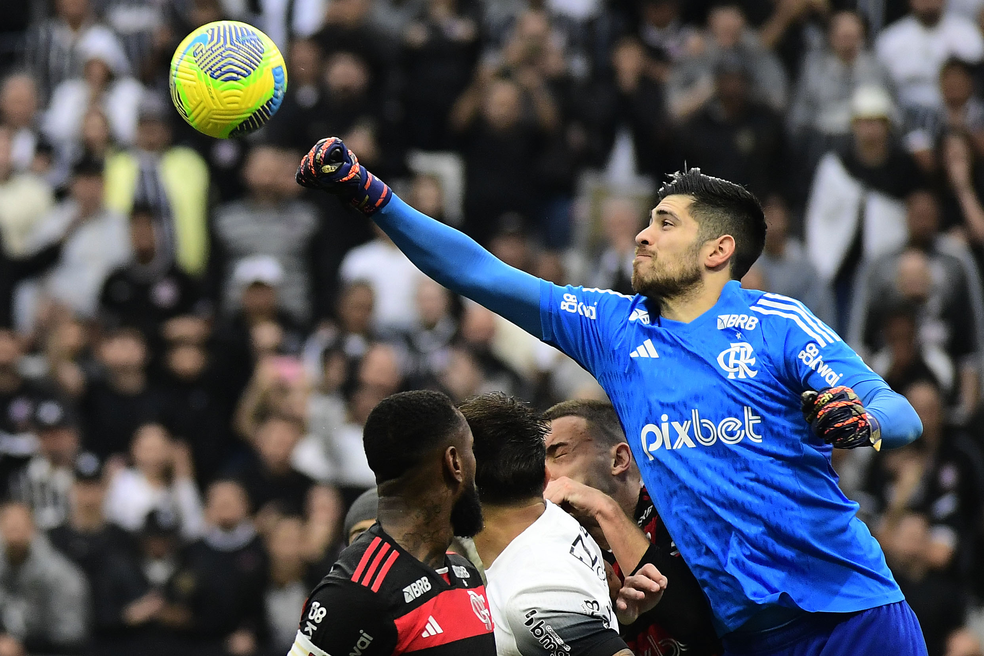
x,y
729,430
742,321
416,589
738,361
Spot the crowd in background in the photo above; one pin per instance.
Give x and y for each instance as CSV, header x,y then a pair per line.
x,y
191,342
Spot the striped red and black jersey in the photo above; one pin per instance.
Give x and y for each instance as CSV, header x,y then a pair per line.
x,y
379,600
681,622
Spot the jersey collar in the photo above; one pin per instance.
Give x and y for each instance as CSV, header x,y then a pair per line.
x,y
730,290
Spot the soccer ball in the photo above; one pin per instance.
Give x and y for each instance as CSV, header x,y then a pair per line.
x,y
227,79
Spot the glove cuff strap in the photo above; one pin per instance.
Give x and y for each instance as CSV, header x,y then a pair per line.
x,y
875,435
372,195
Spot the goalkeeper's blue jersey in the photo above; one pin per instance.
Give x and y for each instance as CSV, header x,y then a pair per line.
x,y
711,410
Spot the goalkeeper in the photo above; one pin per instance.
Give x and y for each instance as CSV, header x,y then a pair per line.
x,y
731,400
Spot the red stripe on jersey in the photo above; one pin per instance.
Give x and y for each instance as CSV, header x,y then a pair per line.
x,y
375,563
459,614
365,558
385,568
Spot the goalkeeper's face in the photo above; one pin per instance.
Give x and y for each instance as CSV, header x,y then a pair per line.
x,y
668,251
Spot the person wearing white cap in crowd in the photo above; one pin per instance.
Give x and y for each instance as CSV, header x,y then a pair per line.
x,y
105,83
855,210
272,220
258,268
257,278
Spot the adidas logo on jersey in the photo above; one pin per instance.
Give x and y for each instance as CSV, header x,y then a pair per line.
x,y
645,350
433,628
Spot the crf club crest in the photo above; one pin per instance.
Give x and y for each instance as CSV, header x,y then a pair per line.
x,y
655,641
480,609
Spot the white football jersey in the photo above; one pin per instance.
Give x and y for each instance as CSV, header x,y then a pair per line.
x,y
548,592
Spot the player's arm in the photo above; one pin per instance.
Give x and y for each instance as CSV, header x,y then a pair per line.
x,y
448,256
547,622
341,616
571,318
846,403
626,540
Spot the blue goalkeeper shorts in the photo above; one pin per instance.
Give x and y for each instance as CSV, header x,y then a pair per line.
x,y
891,629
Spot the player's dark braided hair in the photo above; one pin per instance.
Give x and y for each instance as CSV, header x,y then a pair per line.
x,y
722,208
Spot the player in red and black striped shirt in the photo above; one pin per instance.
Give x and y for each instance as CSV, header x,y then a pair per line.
x,y
395,589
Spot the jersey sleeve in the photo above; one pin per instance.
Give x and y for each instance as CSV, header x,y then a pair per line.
x,y
550,622
341,618
459,263
582,322
808,355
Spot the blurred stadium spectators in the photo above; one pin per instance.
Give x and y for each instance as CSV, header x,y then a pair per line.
x,y
190,343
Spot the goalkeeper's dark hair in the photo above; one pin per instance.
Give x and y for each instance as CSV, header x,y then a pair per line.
x,y
404,428
600,416
722,208
510,454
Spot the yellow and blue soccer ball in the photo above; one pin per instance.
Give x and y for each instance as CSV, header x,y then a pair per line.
x,y
227,79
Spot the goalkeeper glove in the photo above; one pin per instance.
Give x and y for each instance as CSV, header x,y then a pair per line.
x,y
838,417
334,168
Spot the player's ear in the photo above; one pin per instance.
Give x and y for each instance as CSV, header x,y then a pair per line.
x,y
621,459
453,464
722,250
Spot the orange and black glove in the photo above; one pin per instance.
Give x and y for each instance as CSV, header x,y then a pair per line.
x,y
330,166
838,417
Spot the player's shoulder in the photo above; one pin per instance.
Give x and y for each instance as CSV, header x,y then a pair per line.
x,y
592,302
376,565
554,551
776,313
554,528
464,570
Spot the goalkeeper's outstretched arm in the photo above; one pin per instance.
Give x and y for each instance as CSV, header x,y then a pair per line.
x,y
460,264
443,253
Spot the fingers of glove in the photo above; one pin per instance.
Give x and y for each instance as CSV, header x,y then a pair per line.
x,y
834,397
329,155
839,408
838,428
306,175
843,389
839,393
355,170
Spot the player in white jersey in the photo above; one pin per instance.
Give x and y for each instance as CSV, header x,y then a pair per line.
x,y
548,588
547,584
